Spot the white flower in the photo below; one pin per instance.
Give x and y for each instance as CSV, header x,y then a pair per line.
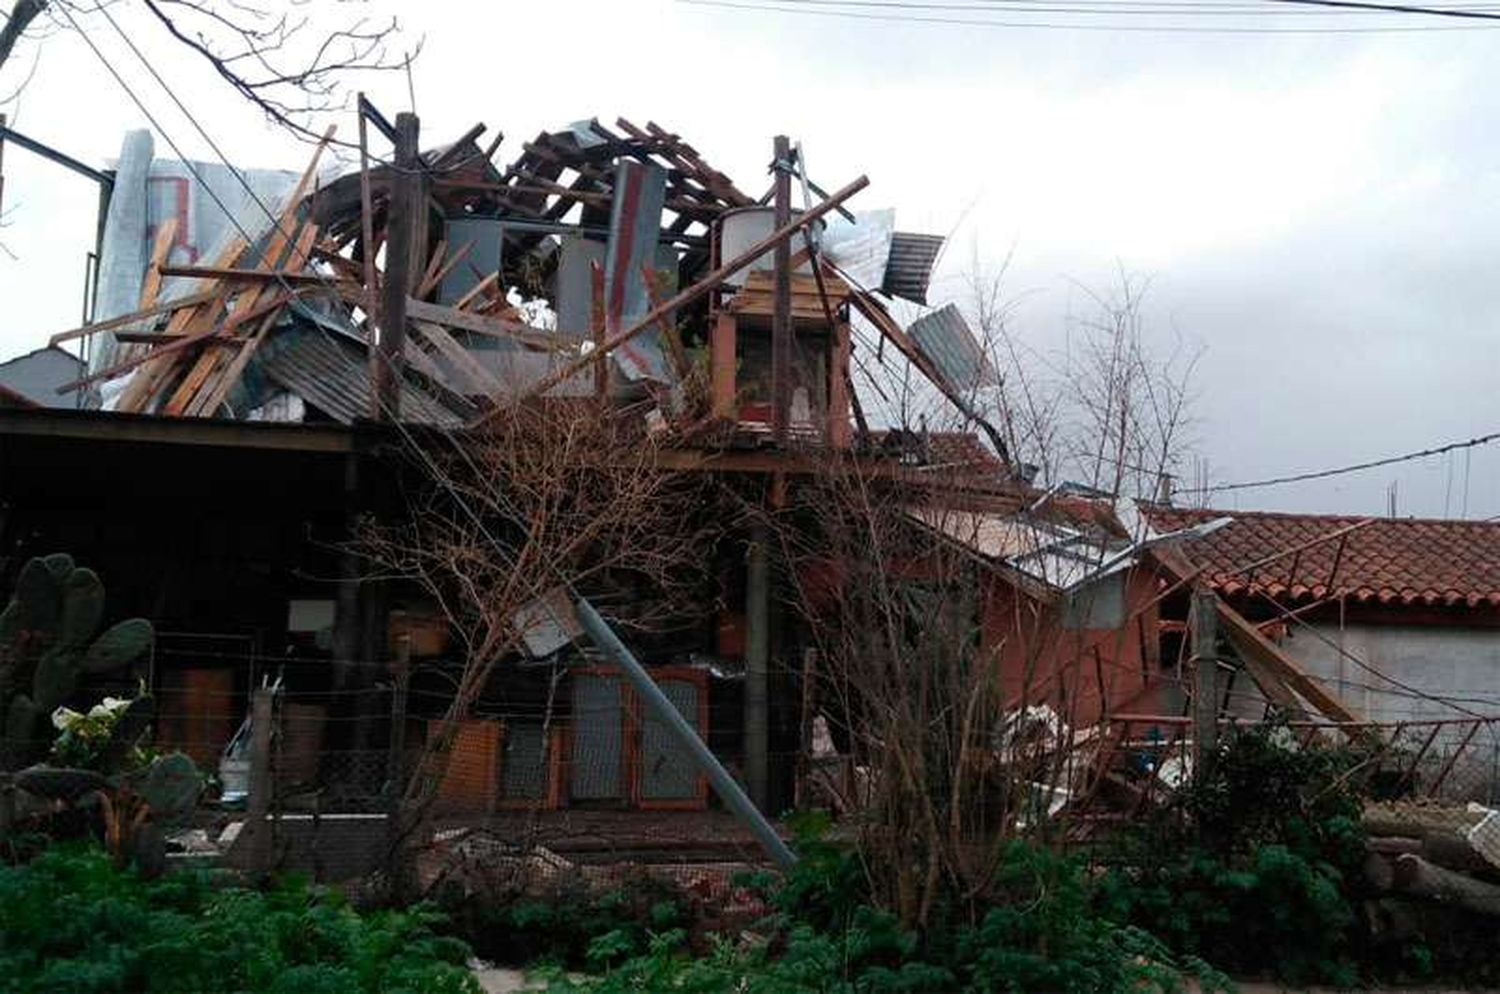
x,y
109,707
65,718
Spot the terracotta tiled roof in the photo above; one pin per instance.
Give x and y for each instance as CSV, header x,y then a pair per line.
x,y
956,450
1404,561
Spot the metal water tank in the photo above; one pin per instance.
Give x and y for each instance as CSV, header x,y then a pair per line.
x,y
741,227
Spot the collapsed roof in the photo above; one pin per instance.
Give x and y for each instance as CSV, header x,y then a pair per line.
x,y
504,295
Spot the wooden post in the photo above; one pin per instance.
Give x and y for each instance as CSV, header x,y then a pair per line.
x,y
405,220
781,313
839,394
758,666
600,330
367,251
722,349
805,733
400,678
258,806
1205,632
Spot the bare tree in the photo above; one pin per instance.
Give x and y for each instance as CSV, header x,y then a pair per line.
x,y
1111,409
952,692
289,59
560,496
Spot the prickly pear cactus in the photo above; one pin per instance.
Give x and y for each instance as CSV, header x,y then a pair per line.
x,y
47,641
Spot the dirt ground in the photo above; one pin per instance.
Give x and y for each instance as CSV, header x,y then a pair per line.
x,y
500,980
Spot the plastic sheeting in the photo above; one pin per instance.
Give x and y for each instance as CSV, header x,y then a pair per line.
x,y
147,192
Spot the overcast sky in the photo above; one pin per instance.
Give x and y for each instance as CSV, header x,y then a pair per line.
x,y
1320,211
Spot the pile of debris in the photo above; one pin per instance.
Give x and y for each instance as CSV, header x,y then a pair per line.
x,y
592,265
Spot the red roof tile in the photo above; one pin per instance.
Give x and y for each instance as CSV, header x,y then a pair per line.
x,y
1406,561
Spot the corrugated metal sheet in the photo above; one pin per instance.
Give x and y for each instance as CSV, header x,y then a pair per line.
x,y
334,377
634,224
945,338
910,267
1057,556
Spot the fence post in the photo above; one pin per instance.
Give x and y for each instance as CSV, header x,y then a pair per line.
x,y
1205,632
258,805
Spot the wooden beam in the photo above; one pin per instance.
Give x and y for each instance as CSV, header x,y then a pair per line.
x,y
1267,662
246,275
781,297
722,356
405,238
452,317
124,320
480,379
159,253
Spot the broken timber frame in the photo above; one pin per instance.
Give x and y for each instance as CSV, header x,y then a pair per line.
x,y
1278,674
703,287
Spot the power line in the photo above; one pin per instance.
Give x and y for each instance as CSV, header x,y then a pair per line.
x,y
1357,467
800,7
1153,8
1392,8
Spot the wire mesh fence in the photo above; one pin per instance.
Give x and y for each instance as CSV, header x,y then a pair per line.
x,y
587,779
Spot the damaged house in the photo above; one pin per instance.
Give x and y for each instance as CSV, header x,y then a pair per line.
x,y
264,397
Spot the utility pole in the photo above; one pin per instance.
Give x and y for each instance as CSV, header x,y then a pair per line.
x,y
781,312
406,237
1204,630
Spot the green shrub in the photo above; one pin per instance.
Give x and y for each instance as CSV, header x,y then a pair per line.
x,y
1258,871
1046,936
71,922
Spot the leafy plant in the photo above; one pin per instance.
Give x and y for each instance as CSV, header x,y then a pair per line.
x,y
71,921
1259,870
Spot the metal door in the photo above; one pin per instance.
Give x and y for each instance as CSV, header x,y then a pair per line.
x,y
598,738
667,771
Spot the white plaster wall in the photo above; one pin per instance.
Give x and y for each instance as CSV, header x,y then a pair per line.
x,y
1457,664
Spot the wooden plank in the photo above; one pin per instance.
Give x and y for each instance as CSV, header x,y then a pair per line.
x,y
434,279
1265,659
178,342
159,252
722,356
479,378
434,263
124,320
232,275
285,249
481,290
212,397
452,317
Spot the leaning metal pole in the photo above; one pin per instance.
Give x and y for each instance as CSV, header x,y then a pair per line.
x,y
737,800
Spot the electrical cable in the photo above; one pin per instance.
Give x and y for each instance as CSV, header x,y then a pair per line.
x,y
767,7
1355,468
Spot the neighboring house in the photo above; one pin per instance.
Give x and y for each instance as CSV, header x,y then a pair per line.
x,y
1399,617
31,380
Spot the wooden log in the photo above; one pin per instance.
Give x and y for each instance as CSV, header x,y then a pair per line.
x,y
1417,821
1415,875
1453,852
1394,845
1378,873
